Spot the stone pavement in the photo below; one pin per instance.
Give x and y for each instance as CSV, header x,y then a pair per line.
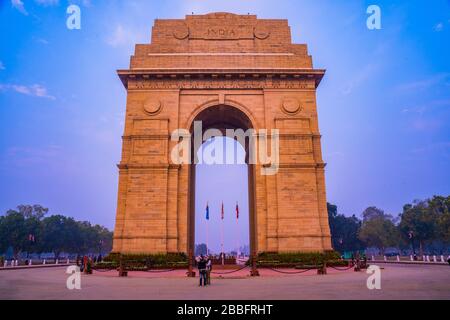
x,y
398,282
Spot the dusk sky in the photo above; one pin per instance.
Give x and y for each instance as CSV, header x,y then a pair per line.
x,y
384,104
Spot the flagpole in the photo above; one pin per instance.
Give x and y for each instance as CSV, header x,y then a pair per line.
x,y
237,228
207,237
207,228
237,238
221,235
221,231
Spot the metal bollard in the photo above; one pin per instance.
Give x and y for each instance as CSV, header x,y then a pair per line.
x,y
398,258
373,258
56,261
411,258
43,262
434,259
442,258
385,258
5,264
30,262
428,258
68,261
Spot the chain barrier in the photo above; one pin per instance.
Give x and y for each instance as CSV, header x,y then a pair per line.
x,y
103,269
292,272
341,269
146,270
159,271
228,272
124,265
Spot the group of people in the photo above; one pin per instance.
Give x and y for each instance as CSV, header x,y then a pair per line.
x,y
85,263
204,265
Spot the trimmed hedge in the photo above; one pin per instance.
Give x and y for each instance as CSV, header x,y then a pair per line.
x,y
180,260
296,259
144,261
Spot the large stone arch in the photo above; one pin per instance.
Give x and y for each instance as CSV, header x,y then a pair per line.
x,y
239,120
220,59
215,102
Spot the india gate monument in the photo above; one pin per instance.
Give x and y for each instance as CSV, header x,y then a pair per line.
x,y
229,72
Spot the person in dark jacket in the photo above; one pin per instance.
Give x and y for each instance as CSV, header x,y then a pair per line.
x,y
202,270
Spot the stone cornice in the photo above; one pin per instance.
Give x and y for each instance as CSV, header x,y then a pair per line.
x,y
158,166
168,136
157,74
304,165
155,166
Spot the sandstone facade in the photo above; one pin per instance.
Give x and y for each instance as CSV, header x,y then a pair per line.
x,y
229,71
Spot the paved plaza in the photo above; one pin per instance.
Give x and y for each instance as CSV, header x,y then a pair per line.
x,y
398,282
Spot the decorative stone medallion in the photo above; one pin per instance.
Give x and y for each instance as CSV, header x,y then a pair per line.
x,y
152,106
261,32
290,106
181,32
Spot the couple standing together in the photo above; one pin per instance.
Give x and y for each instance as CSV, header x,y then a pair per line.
x,y
204,269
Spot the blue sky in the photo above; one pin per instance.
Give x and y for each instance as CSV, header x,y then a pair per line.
x,y
384,104
222,183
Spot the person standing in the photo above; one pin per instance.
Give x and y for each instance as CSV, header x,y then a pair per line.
x,y
208,270
85,262
202,270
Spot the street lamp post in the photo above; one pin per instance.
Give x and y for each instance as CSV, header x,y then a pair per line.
x,y
32,240
100,246
411,237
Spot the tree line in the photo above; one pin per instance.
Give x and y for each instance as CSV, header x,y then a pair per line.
x,y
423,225
29,229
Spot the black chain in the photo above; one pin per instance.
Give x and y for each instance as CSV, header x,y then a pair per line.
x,y
341,269
228,272
102,269
160,271
146,270
292,272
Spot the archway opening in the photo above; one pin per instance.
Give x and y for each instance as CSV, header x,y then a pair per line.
x,y
220,173
223,188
